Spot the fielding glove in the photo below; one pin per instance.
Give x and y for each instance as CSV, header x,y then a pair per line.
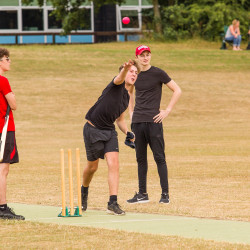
x,y
129,137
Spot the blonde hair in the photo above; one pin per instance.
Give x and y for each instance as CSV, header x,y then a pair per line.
x,y
235,21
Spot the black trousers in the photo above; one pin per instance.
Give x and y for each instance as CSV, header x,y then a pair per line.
x,y
152,134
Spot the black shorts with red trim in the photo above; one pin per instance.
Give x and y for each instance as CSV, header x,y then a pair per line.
x,y
10,152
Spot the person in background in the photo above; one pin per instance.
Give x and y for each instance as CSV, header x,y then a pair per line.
x,y
233,34
248,35
10,156
147,119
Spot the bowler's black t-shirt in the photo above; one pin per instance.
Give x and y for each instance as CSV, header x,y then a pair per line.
x,y
148,87
109,106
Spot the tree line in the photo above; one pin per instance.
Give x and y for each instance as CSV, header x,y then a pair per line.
x,y
181,19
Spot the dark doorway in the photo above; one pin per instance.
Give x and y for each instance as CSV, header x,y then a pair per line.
x,y
105,20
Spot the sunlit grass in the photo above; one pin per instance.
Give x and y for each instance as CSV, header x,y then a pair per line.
x,y
207,135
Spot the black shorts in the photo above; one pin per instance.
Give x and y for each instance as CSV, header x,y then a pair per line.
x,y
98,142
10,152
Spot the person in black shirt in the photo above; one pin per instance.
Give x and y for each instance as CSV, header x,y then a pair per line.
x,y
99,133
147,122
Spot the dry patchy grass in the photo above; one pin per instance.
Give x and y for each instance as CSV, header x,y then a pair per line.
x,y
24,235
207,135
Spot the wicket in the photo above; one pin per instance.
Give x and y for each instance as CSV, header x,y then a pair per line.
x,y
74,212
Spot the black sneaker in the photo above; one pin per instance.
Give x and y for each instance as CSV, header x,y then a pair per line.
x,y
84,200
164,198
115,209
9,214
139,198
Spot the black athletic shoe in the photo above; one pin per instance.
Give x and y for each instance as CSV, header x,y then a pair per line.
x,y
164,198
115,209
84,200
139,198
8,214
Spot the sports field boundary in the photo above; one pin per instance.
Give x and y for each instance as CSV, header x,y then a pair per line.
x,y
188,227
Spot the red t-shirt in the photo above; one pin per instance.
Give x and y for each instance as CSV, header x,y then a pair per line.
x,y
4,90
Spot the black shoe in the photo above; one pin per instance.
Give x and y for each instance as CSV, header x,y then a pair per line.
x,y
139,198
9,214
164,198
115,209
84,200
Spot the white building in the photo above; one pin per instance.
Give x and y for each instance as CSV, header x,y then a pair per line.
x,y
22,24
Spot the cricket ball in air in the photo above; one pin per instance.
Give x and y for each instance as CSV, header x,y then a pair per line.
x,y
125,20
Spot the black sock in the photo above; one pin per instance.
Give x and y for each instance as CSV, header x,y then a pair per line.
x,y
112,198
85,190
3,206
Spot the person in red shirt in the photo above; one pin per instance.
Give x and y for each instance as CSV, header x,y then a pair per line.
x,y
10,156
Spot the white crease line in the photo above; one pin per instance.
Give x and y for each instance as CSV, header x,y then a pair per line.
x,y
125,221
112,221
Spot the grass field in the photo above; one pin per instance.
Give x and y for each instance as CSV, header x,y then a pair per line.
x,y
207,137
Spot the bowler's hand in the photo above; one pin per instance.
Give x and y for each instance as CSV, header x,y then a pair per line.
x,y
161,116
128,64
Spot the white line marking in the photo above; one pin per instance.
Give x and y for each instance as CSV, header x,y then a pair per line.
x,y
112,221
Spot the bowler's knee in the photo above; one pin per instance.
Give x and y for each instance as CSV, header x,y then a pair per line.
x,y
113,165
92,166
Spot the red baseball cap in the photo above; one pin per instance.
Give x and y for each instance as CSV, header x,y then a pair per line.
x,y
141,48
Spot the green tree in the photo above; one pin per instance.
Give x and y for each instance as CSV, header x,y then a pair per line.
x,y
157,17
204,18
70,11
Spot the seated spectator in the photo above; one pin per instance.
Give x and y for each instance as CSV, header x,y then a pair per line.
x,y
233,34
248,34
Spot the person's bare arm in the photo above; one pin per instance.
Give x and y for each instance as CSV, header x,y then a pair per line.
x,y
120,78
232,31
11,99
238,31
121,123
131,104
176,95
130,136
